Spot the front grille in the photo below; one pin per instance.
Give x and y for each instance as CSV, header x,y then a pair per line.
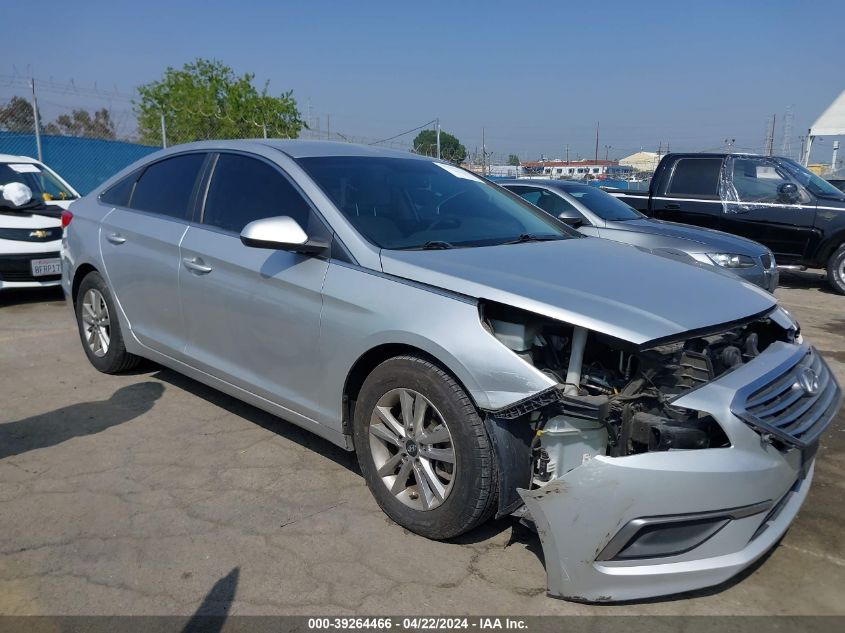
x,y
796,406
767,261
18,268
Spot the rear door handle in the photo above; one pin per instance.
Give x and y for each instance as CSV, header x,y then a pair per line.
x,y
673,207
197,265
115,238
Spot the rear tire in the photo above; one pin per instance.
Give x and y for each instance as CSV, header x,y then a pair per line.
x,y
99,328
423,449
836,270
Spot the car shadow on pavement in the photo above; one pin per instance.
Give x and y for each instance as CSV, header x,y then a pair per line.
x,y
211,615
21,296
805,280
76,420
268,421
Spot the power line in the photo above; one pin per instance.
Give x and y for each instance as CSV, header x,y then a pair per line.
x,y
419,127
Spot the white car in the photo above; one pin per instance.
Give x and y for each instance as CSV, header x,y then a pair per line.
x,y
31,231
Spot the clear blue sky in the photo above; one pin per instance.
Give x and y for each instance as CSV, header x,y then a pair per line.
x,y
536,75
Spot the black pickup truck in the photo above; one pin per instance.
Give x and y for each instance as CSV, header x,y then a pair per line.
x,y
772,200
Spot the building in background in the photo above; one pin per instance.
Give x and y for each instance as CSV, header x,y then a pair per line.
x,y
642,161
577,169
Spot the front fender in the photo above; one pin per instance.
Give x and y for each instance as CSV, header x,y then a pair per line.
x,y
364,309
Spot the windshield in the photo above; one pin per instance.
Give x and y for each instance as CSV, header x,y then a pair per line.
x,y
45,186
814,184
603,204
408,203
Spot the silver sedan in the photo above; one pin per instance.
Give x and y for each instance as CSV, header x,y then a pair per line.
x,y
656,422
599,214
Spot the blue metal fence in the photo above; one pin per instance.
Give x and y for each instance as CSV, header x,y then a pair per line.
x,y
83,162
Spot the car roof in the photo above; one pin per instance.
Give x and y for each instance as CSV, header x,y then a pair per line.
x,y
11,158
544,182
299,148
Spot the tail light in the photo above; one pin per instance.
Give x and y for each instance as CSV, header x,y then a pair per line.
x,y
67,216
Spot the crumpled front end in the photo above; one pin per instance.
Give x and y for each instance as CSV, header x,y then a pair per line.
x,y
661,522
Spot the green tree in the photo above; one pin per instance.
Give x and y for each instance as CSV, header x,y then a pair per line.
x,y
16,116
206,100
513,160
450,147
81,123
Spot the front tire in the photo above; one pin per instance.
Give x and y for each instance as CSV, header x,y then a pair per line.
x,y
423,450
99,329
836,270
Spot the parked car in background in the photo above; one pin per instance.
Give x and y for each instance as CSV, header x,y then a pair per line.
x,y
31,229
658,421
597,213
772,200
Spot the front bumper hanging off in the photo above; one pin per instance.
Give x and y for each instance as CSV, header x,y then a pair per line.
x,y
660,523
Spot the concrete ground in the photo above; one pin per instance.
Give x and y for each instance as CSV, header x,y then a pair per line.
x,y
149,493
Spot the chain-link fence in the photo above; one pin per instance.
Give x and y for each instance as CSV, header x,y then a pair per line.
x,y
87,135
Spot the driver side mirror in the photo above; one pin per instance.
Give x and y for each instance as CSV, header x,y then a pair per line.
x,y
788,192
571,219
280,233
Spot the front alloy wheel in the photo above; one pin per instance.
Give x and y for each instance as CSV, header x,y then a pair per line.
x,y
412,449
423,449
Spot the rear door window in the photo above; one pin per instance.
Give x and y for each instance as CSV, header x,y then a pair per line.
x,y
167,187
695,177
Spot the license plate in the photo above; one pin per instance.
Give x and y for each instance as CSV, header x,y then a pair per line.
x,y
41,267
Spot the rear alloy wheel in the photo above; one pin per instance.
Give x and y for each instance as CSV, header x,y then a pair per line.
x,y
97,324
836,270
423,449
99,329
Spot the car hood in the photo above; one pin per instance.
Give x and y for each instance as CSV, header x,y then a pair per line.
x,y
597,284
697,239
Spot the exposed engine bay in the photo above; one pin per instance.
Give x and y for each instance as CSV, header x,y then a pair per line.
x,y
614,398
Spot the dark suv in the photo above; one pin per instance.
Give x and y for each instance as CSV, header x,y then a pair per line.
x,y
770,199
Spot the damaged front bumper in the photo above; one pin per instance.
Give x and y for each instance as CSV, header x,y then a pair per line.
x,y
660,523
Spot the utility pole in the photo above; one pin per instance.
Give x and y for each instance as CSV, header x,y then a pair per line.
x,y
163,131
597,141
567,153
438,138
37,122
483,155
328,127
772,134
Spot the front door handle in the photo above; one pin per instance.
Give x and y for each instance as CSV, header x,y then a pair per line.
x,y
197,265
116,238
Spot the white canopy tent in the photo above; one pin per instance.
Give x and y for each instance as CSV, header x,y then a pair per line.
x,y
830,123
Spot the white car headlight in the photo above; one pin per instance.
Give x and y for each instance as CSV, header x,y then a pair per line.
x,y
731,260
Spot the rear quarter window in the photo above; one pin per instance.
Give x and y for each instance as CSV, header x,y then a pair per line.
x,y
120,192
